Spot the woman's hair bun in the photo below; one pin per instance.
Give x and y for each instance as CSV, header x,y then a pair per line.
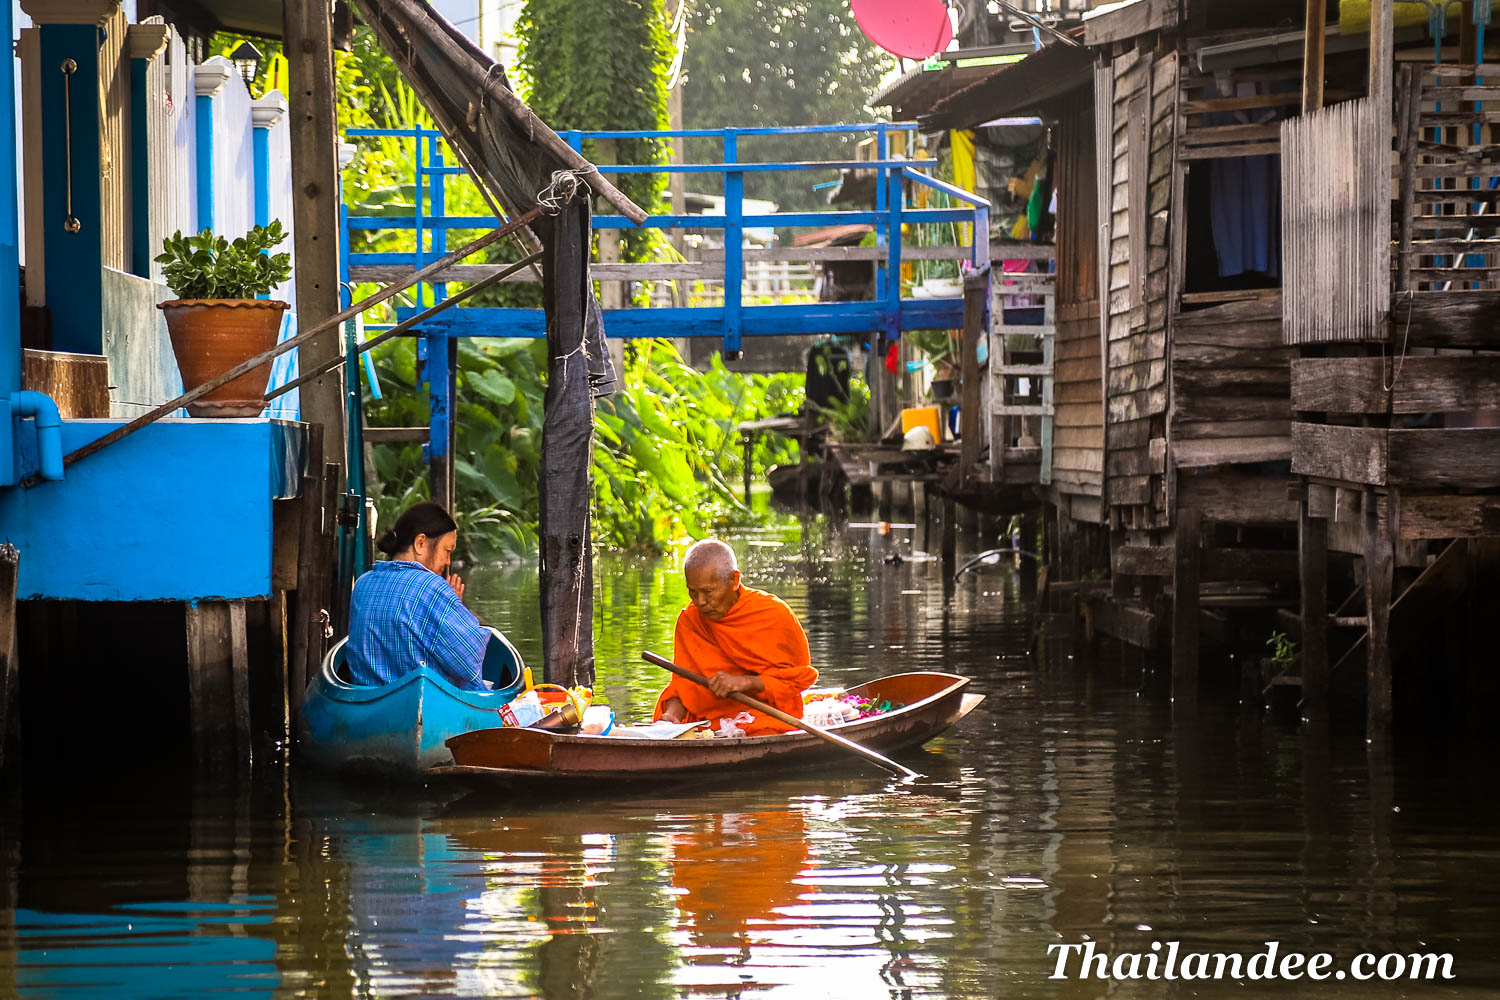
x,y
425,518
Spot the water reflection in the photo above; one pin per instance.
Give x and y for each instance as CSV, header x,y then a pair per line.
x,y
1067,808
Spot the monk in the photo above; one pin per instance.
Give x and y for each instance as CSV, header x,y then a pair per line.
x,y
742,640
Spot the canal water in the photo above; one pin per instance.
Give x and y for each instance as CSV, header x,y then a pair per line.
x,y
1069,809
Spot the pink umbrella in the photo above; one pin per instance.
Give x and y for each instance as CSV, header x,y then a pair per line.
x,y
915,29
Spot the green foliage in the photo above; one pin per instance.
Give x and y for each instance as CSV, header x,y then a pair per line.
x,y
938,345
1283,650
788,62
850,418
206,266
667,454
666,451
602,64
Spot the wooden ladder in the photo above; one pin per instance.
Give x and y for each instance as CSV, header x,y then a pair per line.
x,y
1010,341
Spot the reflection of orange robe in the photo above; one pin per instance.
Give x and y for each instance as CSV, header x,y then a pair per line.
x,y
736,870
760,635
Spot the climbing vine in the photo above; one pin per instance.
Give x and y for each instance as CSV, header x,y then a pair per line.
x,y
602,64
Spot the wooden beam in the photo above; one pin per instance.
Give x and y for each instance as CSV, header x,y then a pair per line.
x,y
1141,560
1444,384
308,37
1346,454
1447,515
1455,456
1459,318
1129,21
1316,23
1187,561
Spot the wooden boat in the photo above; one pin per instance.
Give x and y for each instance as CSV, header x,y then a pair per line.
x,y
931,702
399,728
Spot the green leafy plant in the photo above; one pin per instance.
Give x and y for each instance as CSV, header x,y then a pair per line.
x,y
206,266
1283,650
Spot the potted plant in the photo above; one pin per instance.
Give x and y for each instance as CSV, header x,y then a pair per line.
x,y
216,321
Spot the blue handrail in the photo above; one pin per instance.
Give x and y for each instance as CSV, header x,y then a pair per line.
x,y
882,319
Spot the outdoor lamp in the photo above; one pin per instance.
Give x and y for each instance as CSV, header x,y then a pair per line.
x,y
246,58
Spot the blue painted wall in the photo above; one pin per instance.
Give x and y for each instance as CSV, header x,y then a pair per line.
x,y
180,510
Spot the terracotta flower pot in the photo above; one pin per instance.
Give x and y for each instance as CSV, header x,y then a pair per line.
x,y
211,336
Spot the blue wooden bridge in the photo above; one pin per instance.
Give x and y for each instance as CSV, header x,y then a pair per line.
x,y
898,191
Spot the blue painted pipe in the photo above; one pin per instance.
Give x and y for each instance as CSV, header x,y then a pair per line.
x,y
40,407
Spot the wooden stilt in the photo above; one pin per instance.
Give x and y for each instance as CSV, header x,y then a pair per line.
x,y
239,680
218,684
926,519
1312,567
1188,544
885,499
279,636
306,635
10,673
950,529
1378,582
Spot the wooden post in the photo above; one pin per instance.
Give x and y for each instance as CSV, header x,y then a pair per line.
x,y
1381,61
976,286
276,629
1379,568
315,209
1312,55
1187,545
218,699
1409,116
950,530
306,633
10,674
1312,572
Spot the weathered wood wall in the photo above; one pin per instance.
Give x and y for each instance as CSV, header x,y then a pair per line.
x,y
1078,436
1335,224
1230,374
1143,120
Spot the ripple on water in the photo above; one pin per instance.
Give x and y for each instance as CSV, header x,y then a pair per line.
x,y
1067,808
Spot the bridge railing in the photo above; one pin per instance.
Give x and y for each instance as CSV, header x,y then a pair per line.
x,y
429,226
881,317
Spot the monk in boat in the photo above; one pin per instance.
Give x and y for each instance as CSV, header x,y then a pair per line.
x,y
742,640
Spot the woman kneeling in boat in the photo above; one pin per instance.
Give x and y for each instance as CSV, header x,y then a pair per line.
x,y
408,612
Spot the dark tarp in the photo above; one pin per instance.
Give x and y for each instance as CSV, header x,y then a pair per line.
x,y
515,158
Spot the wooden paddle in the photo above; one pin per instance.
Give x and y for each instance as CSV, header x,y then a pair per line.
x,y
791,720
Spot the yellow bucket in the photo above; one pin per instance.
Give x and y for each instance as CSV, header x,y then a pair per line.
x,y
922,416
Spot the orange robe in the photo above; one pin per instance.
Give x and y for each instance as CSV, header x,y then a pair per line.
x,y
760,635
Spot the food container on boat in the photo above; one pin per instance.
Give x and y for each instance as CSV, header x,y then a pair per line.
x,y
522,711
598,720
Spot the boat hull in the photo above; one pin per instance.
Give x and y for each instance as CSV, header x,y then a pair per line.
x,y
933,702
397,729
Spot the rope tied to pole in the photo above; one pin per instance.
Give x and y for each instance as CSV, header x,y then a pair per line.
x,y
562,190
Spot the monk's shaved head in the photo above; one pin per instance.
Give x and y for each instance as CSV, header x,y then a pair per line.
x,y
711,554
